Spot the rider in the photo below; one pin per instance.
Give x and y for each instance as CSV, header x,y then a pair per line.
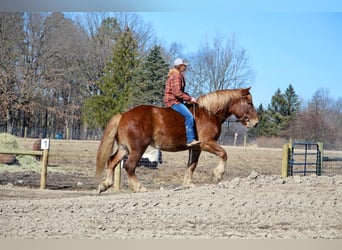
x,y
174,96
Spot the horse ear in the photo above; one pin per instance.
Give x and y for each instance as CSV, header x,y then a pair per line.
x,y
245,91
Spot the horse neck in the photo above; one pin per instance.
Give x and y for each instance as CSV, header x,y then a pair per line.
x,y
198,111
219,103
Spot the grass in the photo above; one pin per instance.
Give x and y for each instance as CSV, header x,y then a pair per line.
x,y
79,157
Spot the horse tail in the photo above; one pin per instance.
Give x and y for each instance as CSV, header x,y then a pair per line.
x,y
105,149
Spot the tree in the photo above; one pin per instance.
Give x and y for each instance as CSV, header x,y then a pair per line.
x,y
64,55
276,119
113,93
53,63
262,128
11,40
220,65
292,103
30,96
283,109
321,120
151,79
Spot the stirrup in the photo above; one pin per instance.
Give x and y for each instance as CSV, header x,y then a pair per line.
x,y
193,143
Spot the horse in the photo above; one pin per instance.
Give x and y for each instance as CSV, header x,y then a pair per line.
x,y
129,134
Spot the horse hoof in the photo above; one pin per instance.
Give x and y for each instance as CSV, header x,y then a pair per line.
x,y
101,188
215,179
139,190
142,190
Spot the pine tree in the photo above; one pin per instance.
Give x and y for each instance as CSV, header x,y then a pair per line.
x,y
261,129
151,79
292,103
275,113
115,86
290,109
282,110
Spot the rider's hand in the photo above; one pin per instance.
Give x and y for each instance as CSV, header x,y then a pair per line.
x,y
193,100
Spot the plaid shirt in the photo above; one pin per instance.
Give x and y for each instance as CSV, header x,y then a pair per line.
x,y
174,88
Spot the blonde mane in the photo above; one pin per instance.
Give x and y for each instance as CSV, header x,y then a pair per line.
x,y
217,101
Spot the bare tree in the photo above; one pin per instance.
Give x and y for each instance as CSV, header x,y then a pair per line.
x,y
93,24
143,32
11,38
64,56
320,120
219,65
174,51
99,42
30,67
103,29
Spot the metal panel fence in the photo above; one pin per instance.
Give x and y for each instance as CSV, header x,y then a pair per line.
x,y
303,158
332,166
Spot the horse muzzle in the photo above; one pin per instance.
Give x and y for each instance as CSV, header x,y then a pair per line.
x,y
252,123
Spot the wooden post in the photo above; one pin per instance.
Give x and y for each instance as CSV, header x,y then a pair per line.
x,y
68,133
235,138
285,160
44,169
117,176
45,146
25,133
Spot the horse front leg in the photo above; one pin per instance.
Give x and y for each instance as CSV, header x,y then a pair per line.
x,y
214,148
218,172
194,154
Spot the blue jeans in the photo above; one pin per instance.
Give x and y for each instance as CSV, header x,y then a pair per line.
x,y
189,120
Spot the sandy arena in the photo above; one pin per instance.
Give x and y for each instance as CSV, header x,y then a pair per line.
x,y
259,204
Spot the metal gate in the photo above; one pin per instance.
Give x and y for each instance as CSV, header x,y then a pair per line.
x,y
306,158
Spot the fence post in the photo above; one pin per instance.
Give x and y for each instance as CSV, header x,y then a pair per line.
x,y
245,141
67,133
45,146
44,169
117,176
285,160
25,133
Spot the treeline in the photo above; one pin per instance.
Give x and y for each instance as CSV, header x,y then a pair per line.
x,y
64,74
68,74
319,119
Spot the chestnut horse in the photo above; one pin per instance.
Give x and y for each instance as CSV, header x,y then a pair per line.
x,y
130,133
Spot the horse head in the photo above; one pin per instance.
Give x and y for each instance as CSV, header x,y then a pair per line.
x,y
244,110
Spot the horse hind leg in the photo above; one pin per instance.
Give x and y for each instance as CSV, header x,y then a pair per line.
x,y
130,166
113,162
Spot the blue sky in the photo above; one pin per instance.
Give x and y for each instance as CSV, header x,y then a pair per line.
x,y
284,47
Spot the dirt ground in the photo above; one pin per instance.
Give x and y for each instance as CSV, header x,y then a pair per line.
x,y
253,201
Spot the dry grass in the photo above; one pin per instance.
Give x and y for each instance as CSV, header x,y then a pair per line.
x,y
79,156
75,159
